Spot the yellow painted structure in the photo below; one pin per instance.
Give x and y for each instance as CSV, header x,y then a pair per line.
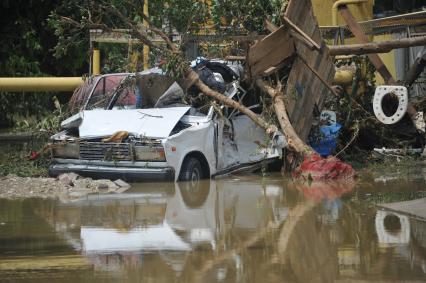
x,y
145,47
387,58
343,77
96,62
338,3
323,11
56,84
327,15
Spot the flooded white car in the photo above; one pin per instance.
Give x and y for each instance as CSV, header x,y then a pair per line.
x,y
151,129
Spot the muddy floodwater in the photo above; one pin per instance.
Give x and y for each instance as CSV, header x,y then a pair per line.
x,y
236,229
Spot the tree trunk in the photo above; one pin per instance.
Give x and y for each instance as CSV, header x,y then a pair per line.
x,y
294,142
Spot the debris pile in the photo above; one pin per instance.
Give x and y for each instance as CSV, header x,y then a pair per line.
x,y
287,75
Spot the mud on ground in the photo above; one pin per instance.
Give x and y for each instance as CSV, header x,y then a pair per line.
x,y
65,188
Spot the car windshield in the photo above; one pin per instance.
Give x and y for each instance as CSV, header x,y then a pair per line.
x,y
104,91
151,90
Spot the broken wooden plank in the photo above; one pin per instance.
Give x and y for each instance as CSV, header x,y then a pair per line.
x,y
301,33
270,51
319,77
271,27
304,91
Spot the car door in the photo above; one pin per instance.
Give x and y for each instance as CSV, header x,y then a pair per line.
x,y
250,139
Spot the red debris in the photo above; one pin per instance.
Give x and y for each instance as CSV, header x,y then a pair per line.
x,y
317,168
318,191
34,155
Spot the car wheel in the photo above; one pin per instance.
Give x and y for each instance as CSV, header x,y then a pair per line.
x,y
191,170
194,191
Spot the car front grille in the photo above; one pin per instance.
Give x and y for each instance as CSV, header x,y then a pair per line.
x,y
105,151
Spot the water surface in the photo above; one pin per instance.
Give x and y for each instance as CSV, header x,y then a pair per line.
x,y
236,229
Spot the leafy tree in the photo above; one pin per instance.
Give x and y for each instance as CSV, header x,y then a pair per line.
x,y
26,49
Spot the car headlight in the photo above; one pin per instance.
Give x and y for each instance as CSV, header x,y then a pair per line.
x,y
149,153
66,150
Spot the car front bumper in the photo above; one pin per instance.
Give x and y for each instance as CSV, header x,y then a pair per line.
x,y
129,171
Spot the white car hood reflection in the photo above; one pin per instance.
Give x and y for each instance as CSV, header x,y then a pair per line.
x,y
137,239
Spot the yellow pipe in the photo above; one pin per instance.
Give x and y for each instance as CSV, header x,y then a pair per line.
x,y
96,67
145,47
40,84
335,8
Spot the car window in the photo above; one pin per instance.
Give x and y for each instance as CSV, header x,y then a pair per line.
x,y
102,93
80,96
127,99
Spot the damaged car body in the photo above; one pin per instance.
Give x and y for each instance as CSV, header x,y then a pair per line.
x,y
144,126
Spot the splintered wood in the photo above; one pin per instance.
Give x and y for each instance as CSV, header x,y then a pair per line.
x,y
305,91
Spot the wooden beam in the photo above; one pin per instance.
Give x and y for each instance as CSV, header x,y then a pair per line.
x,y
376,47
271,27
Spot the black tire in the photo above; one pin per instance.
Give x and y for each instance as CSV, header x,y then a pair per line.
x,y
194,191
191,170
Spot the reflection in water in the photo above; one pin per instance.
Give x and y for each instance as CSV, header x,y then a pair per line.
x,y
229,230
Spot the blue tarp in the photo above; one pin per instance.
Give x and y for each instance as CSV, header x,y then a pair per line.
x,y
327,143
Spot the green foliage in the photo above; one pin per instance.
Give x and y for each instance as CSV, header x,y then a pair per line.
x,y
26,50
115,58
180,15
19,164
14,158
246,15
175,65
45,121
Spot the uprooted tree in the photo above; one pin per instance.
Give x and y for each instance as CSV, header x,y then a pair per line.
x,y
271,83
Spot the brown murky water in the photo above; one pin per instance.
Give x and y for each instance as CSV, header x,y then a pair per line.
x,y
238,229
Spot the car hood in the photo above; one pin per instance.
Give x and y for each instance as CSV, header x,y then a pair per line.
x,y
152,123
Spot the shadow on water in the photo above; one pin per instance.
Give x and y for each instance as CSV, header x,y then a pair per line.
x,y
238,229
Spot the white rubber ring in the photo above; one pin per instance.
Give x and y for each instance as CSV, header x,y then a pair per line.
x,y
402,95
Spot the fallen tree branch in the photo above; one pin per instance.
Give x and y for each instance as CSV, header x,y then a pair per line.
x,y
294,142
193,77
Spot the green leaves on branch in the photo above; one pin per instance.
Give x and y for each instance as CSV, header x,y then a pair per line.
x,y
176,65
245,15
